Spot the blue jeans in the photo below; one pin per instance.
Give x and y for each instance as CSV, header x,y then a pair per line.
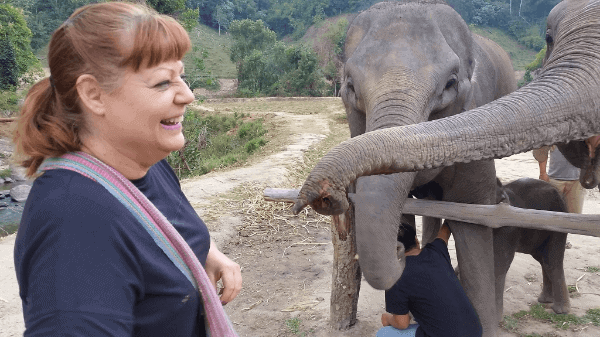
x,y
388,331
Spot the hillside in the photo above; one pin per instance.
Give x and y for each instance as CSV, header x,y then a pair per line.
x,y
519,55
217,62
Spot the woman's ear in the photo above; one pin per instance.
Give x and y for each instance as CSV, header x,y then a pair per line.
x,y
91,94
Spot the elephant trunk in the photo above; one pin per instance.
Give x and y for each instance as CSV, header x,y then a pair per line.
x,y
554,108
378,203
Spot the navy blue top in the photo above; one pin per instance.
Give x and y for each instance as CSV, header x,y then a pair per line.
x,y
430,290
86,267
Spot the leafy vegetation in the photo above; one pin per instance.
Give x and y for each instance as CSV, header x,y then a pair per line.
x,y
215,141
534,65
15,38
5,173
267,67
167,6
189,18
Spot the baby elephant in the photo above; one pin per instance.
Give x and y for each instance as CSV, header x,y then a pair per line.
x,y
547,247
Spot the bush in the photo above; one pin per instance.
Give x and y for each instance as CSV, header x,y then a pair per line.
x,y
167,6
9,72
13,28
212,142
539,59
9,102
189,18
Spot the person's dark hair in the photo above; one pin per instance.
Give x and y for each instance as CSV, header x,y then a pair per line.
x,y
407,235
102,40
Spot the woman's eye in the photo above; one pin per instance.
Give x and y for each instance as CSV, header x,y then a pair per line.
x,y
163,84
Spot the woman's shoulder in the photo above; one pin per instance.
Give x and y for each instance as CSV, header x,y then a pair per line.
x,y
66,187
65,199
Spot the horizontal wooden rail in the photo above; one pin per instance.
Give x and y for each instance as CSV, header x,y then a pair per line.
x,y
494,216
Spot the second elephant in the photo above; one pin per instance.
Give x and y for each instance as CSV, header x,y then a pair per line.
x,y
546,247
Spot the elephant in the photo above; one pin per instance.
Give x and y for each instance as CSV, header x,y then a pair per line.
x,y
408,63
562,105
546,247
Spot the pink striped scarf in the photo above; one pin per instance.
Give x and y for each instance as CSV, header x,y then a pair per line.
x,y
162,231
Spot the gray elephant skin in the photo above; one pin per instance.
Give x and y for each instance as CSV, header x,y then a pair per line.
x,y
403,91
546,247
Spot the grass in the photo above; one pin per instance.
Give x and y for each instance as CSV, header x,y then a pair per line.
x,y
295,106
538,312
215,140
9,229
519,55
217,47
293,325
5,173
592,269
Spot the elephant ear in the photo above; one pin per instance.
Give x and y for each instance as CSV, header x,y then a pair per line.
x,y
459,38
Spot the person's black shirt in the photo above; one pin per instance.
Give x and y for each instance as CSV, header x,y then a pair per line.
x,y
431,291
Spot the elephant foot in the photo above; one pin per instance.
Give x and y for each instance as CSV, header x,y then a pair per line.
x,y
545,298
561,308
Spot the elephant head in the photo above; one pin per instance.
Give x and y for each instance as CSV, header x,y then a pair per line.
x,y
561,105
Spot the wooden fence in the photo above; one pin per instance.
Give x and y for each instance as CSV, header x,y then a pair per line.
x,y
345,282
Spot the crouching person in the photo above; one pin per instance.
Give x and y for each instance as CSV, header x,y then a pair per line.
x,y
430,290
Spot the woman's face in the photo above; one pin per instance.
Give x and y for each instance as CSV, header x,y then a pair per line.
x,y
144,115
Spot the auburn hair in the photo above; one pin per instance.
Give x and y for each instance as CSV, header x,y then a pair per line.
x,y
102,40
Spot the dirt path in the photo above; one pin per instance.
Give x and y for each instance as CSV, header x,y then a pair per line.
x,y
286,260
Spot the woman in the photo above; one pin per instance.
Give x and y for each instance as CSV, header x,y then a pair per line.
x,y
108,244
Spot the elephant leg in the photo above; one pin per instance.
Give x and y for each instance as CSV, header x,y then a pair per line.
x,y
431,227
547,295
553,265
474,248
503,256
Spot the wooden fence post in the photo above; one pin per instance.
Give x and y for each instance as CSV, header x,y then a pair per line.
x,y
346,276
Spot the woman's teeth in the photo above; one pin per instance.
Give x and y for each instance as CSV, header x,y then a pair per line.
x,y
172,121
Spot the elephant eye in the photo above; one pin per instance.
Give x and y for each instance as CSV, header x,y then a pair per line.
x,y
549,39
450,83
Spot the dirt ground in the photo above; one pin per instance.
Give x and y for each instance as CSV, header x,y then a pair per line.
x,y
286,261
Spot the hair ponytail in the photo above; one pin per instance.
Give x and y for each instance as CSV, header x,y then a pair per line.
x,y
42,129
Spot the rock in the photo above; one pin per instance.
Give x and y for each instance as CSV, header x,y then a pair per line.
x,y
18,173
20,193
4,194
1,181
8,180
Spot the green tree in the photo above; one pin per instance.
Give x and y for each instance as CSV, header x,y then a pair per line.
x,y
189,18
305,78
45,16
248,36
9,72
167,6
224,14
14,30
